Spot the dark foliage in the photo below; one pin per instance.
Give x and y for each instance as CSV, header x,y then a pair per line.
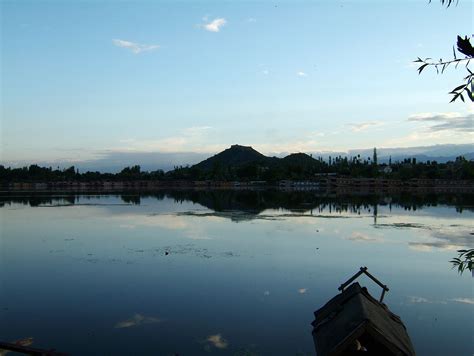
x,y
250,165
464,261
465,48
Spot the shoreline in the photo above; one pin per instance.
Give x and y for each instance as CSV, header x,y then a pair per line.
x,y
325,184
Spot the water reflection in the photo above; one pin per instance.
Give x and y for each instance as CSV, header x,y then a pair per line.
x,y
464,300
136,320
254,202
452,238
235,273
361,237
417,299
217,341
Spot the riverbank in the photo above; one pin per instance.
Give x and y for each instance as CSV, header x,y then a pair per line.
x,y
325,183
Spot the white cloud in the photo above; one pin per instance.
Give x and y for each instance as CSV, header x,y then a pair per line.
x,y
134,47
301,74
188,140
251,19
215,25
196,131
439,128
450,121
266,71
362,126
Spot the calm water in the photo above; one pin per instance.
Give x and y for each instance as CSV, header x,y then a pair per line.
x,y
226,272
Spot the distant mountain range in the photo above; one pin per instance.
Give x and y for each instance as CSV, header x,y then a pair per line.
x,y
115,161
238,155
439,153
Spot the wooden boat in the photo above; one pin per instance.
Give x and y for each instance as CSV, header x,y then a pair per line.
x,y
20,347
355,323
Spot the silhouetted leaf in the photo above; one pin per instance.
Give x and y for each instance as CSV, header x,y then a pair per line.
x,y
453,99
421,68
459,87
465,47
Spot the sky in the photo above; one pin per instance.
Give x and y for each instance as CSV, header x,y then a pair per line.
x,y
87,80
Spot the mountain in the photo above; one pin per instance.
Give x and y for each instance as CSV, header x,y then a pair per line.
x,y
298,159
112,161
234,156
238,156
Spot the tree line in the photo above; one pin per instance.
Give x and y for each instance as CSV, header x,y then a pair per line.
x,y
298,169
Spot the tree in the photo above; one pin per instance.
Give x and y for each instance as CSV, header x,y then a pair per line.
x,y
464,261
374,157
466,50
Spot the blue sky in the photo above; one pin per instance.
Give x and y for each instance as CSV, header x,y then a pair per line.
x,y
84,79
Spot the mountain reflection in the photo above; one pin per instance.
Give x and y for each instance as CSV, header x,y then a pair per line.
x,y
248,204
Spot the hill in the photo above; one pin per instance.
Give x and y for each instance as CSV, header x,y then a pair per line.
x,y
298,159
235,156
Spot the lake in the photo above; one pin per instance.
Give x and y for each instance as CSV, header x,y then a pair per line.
x,y
226,272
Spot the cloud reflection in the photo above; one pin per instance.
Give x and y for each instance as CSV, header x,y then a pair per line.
x,y
416,300
360,237
445,240
136,320
173,222
463,300
217,341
